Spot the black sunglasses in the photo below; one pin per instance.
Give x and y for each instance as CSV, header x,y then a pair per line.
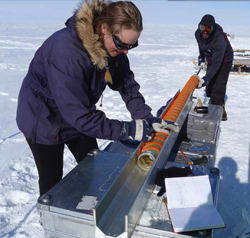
x,y
121,46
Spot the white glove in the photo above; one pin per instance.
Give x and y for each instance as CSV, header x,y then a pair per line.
x,y
201,81
165,127
203,66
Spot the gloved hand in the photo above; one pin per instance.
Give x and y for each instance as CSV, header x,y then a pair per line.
x,y
138,130
202,81
203,66
200,60
165,126
159,125
206,81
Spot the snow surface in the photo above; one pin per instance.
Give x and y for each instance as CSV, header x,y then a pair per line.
x,y
162,65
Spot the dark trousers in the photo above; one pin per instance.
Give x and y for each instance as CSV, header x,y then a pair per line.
x,y
49,159
216,89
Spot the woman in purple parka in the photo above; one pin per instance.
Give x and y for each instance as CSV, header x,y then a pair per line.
x,y
66,78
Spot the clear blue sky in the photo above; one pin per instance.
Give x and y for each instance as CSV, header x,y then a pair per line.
x,y
235,13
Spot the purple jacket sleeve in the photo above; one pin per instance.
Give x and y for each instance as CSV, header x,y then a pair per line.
x,y
72,92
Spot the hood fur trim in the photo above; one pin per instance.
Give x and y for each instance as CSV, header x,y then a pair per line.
x,y
84,18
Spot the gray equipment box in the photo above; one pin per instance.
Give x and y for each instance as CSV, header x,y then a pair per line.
x,y
203,127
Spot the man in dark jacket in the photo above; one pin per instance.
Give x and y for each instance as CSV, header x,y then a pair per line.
x,y
66,78
215,48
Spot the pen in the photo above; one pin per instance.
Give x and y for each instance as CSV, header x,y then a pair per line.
x,y
203,148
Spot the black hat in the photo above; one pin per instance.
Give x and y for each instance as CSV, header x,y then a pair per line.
x,y
207,24
207,19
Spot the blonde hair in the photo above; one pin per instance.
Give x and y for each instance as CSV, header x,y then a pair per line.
x,y
117,15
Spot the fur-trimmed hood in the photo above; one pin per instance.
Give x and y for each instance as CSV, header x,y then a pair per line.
x,y
84,16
